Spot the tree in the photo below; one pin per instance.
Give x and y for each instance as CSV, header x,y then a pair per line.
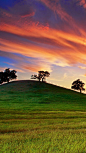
x,y
7,75
1,77
13,74
41,75
78,85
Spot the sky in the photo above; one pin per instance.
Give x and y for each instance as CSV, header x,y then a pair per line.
x,y
48,35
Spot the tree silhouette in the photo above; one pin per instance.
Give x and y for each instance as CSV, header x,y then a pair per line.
x,y
41,75
13,74
7,75
78,85
1,77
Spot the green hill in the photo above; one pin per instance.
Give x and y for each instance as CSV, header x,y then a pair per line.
x,y
34,95
38,117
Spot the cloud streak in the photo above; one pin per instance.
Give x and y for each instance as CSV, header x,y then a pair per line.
x,y
23,32
49,44
83,3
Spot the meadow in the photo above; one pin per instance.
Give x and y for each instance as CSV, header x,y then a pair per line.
x,y
38,117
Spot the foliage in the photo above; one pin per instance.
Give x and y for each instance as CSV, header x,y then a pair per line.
x,y
7,75
78,85
41,75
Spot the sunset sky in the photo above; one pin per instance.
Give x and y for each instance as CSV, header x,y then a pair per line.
x,y
44,35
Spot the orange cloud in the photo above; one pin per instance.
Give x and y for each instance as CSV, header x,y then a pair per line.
x,y
61,45
35,68
38,31
34,30
82,67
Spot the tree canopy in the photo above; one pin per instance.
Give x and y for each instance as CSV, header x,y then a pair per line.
x,y
41,75
7,75
78,85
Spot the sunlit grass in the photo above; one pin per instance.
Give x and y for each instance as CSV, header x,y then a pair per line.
x,y
41,118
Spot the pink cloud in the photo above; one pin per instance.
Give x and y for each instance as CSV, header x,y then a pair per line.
x,y
57,8
33,39
83,3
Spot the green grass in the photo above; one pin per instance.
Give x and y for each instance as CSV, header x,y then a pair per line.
x,y
37,117
33,95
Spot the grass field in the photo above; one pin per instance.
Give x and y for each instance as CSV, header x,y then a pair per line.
x,y
37,117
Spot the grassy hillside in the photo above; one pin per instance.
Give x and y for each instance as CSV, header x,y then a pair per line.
x,y
34,95
37,117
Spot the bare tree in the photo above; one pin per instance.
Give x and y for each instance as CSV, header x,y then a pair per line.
x,y
78,85
41,75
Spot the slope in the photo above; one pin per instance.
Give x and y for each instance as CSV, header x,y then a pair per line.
x,y
34,95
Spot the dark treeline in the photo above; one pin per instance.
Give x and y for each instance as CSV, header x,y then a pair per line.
x,y
7,75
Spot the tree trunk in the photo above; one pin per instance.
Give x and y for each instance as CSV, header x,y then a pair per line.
x,y
39,79
80,90
42,79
